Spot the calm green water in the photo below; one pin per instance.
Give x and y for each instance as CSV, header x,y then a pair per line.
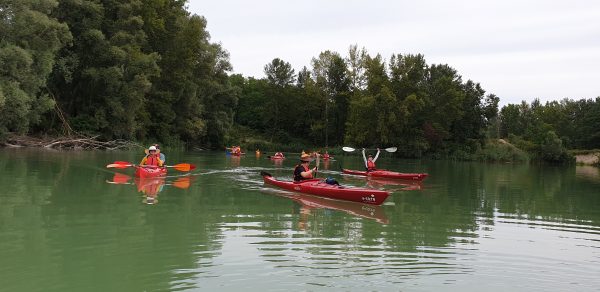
x,y
469,226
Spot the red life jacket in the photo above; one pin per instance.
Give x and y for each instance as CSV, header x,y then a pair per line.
x,y
152,160
370,165
307,169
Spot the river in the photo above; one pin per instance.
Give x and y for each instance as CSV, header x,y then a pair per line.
x,y
67,223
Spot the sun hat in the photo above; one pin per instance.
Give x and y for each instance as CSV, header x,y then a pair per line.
x,y
305,157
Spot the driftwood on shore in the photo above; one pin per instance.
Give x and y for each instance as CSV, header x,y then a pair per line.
x,y
78,142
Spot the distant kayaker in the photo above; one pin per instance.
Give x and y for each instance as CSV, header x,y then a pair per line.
x,y
278,155
370,162
236,150
302,172
152,157
162,155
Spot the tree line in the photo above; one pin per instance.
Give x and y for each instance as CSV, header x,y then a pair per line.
x,y
123,69
147,70
547,130
363,100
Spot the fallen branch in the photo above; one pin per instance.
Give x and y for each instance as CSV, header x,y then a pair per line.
x,y
79,142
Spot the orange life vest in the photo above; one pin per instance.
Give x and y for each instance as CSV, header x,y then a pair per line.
x,y
370,165
152,159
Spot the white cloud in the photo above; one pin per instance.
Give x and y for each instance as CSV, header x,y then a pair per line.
x,y
515,49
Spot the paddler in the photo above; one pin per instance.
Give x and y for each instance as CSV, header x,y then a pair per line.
x,y
302,171
370,162
152,157
234,150
162,155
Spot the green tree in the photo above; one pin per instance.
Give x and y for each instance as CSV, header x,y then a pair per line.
x,y
330,72
280,73
29,40
102,80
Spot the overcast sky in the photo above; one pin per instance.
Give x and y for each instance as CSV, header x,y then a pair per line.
x,y
518,50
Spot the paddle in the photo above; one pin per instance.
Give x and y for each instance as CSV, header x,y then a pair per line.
x,y
317,166
391,149
181,183
125,164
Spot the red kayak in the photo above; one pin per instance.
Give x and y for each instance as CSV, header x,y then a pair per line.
x,y
388,174
149,172
318,187
277,157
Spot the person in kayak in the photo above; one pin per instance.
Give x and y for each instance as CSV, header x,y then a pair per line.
x,y
302,172
161,155
278,155
370,162
152,158
236,150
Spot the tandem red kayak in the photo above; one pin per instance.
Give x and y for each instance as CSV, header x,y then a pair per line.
x,y
319,188
149,172
388,174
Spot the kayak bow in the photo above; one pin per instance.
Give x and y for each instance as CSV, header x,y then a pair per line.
x,y
149,172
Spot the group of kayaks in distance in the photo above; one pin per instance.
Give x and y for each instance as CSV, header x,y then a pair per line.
x,y
153,165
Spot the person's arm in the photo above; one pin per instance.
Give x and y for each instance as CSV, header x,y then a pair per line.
x,y
144,160
365,158
307,174
160,162
377,155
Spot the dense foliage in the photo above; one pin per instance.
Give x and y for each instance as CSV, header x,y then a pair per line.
x,y
548,130
362,100
141,70
29,40
146,70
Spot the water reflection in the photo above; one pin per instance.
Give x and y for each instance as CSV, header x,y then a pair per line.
x,y
151,187
311,204
277,162
63,228
392,185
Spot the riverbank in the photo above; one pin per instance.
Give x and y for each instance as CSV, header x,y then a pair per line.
x,y
74,142
588,158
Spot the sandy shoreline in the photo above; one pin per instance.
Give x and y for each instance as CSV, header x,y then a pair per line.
x,y
587,159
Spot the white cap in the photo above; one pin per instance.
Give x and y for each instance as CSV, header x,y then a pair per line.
x,y
152,148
